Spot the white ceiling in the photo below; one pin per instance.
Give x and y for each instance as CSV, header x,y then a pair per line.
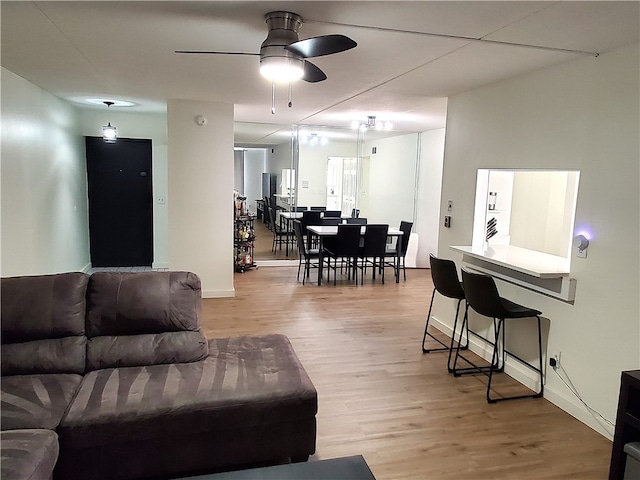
x,y
410,55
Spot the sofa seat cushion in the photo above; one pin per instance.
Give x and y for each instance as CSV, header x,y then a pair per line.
x,y
55,355
28,454
36,401
244,381
150,349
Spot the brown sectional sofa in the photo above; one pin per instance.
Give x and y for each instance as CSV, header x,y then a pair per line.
x,y
115,366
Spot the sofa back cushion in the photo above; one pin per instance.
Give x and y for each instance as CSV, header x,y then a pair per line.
x,y
147,318
43,321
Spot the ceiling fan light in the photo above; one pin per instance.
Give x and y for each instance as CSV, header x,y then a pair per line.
x,y
281,69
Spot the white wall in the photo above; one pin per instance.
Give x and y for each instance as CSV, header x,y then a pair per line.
x,y
151,126
584,116
392,179
201,193
427,224
313,169
254,166
44,182
238,171
541,220
278,158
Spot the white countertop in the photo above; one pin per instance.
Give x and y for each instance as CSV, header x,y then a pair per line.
x,y
330,230
290,215
295,215
530,262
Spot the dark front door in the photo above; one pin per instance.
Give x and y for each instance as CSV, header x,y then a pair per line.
x,y
120,202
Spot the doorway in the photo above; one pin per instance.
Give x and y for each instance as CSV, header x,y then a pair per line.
x,y
120,202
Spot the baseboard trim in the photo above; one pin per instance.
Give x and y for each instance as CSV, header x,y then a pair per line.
x,y
522,374
577,410
219,293
277,263
86,268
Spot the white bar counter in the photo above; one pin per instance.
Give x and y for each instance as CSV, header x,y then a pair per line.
x,y
537,271
531,262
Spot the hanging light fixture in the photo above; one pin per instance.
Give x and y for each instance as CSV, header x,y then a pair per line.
x,y
313,139
371,124
109,131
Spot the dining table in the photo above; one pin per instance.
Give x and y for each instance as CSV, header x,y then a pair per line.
x,y
324,231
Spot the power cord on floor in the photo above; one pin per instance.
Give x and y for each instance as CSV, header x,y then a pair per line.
x,y
605,422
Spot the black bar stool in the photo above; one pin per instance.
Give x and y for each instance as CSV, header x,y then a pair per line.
x,y
482,295
446,283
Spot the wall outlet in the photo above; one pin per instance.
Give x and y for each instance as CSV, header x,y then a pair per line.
x,y
554,360
449,205
447,221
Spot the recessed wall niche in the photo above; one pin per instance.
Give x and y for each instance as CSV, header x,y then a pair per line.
x,y
531,209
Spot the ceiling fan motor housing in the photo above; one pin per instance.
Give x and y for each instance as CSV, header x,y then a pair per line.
x,y
283,31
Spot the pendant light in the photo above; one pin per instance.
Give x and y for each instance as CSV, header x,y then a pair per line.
x,y
109,131
371,124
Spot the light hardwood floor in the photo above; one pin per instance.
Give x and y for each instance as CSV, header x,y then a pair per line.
x,y
263,243
380,397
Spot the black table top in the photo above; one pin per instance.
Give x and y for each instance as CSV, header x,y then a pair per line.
x,y
346,468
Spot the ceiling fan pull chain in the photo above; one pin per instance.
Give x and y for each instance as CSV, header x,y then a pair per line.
x,y
290,88
273,97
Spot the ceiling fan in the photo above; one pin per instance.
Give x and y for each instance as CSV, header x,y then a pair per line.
x,y
284,57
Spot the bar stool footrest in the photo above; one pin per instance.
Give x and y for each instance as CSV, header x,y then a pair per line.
x,y
475,369
444,347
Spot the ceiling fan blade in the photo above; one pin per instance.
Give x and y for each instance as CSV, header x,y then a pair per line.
x,y
319,46
215,53
312,74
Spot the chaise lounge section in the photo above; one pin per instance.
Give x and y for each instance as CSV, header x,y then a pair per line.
x,y
153,397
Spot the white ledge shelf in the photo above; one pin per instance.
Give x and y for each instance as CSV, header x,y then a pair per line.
x,y
540,272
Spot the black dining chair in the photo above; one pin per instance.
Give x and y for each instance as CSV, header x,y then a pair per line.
x,y
306,255
332,213
310,217
330,221
357,221
355,213
318,209
444,274
266,216
345,248
398,260
280,235
482,296
300,209
373,249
